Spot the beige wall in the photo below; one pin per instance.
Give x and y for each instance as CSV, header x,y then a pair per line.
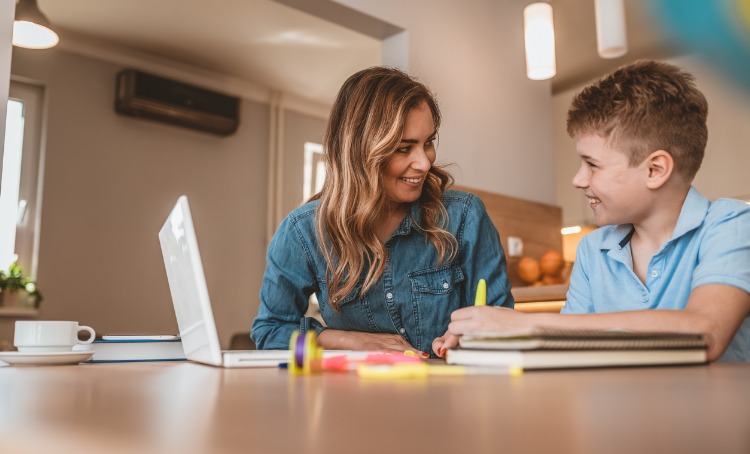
x,y
111,180
109,183
298,129
724,172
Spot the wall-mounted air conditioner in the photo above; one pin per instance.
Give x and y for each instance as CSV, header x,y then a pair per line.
x,y
156,98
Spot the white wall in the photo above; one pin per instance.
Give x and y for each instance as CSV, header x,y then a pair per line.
x,y
724,172
497,123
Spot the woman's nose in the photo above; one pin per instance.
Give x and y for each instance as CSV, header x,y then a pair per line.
x,y
421,161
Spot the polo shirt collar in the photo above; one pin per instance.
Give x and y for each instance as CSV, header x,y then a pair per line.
x,y
692,214
618,237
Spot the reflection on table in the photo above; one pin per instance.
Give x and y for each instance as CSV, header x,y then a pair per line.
x,y
187,408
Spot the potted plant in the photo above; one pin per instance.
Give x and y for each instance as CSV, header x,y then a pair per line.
x,y
17,290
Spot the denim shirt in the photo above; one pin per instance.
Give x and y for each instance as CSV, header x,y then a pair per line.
x,y
414,297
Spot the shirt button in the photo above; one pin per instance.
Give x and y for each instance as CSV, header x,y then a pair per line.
x,y
654,273
445,285
402,330
389,295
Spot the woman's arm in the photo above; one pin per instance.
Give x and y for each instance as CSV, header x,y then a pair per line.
x,y
333,339
483,257
288,282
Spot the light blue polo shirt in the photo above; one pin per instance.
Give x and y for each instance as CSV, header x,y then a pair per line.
x,y
710,245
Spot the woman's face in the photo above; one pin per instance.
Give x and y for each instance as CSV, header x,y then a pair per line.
x,y
407,168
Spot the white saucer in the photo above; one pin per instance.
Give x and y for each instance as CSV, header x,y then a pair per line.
x,y
44,358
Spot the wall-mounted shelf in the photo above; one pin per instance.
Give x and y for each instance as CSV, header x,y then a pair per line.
x,y
18,312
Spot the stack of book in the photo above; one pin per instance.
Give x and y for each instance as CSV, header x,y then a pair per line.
x,y
555,348
128,348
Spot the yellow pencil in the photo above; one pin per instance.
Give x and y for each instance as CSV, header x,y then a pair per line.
x,y
481,298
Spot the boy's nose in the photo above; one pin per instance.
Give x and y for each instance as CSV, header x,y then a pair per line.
x,y
580,179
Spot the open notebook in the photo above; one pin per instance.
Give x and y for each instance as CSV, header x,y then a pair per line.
x,y
192,306
552,349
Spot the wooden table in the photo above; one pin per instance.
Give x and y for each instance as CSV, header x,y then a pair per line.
x,y
190,408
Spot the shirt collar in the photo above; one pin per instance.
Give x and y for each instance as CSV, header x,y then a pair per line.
x,y
413,220
691,217
693,213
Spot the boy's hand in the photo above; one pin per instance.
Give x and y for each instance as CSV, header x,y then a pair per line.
x,y
487,319
479,319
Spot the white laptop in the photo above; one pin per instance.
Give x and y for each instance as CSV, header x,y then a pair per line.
x,y
192,307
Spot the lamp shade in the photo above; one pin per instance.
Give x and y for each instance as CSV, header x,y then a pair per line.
x,y
31,28
539,37
611,38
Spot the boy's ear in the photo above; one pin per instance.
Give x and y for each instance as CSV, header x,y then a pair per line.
x,y
660,166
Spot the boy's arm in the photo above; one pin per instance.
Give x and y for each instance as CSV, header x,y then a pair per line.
x,y
715,310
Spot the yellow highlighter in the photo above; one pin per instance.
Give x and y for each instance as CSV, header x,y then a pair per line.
x,y
401,371
481,298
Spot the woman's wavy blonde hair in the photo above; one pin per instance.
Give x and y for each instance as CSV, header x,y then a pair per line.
x,y
365,128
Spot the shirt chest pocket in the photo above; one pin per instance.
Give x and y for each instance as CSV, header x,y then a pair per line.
x,y
353,312
439,281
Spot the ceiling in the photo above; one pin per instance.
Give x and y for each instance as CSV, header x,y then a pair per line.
x,y
278,46
575,40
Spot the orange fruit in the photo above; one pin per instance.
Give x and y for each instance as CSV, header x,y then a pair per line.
x,y
529,270
551,263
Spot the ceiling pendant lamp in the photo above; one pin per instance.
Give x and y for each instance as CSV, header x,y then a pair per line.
x,y
31,28
539,37
611,39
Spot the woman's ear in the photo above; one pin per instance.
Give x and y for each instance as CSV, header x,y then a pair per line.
x,y
660,166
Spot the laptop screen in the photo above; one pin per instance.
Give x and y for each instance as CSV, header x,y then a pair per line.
x,y
187,285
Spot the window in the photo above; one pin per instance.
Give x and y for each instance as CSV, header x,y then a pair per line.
x,y
314,171
20,183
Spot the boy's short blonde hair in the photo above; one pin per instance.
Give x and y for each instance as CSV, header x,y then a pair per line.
x,y
644,107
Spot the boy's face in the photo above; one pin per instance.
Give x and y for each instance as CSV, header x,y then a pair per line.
x,y
617,192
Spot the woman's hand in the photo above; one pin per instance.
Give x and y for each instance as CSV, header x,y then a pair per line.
x,y
479,319
444,342
334,339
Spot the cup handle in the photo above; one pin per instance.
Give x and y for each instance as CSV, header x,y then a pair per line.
x,y
91,332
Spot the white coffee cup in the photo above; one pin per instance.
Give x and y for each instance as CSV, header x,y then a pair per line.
x,y
49,336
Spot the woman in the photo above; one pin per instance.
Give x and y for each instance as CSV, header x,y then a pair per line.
x,y
388,252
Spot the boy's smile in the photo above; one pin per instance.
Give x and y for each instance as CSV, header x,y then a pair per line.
x,y
614,189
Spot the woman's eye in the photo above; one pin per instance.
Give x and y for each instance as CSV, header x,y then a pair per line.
x,y
403,149
430,143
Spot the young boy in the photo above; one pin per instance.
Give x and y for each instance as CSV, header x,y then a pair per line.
x,y
667,259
